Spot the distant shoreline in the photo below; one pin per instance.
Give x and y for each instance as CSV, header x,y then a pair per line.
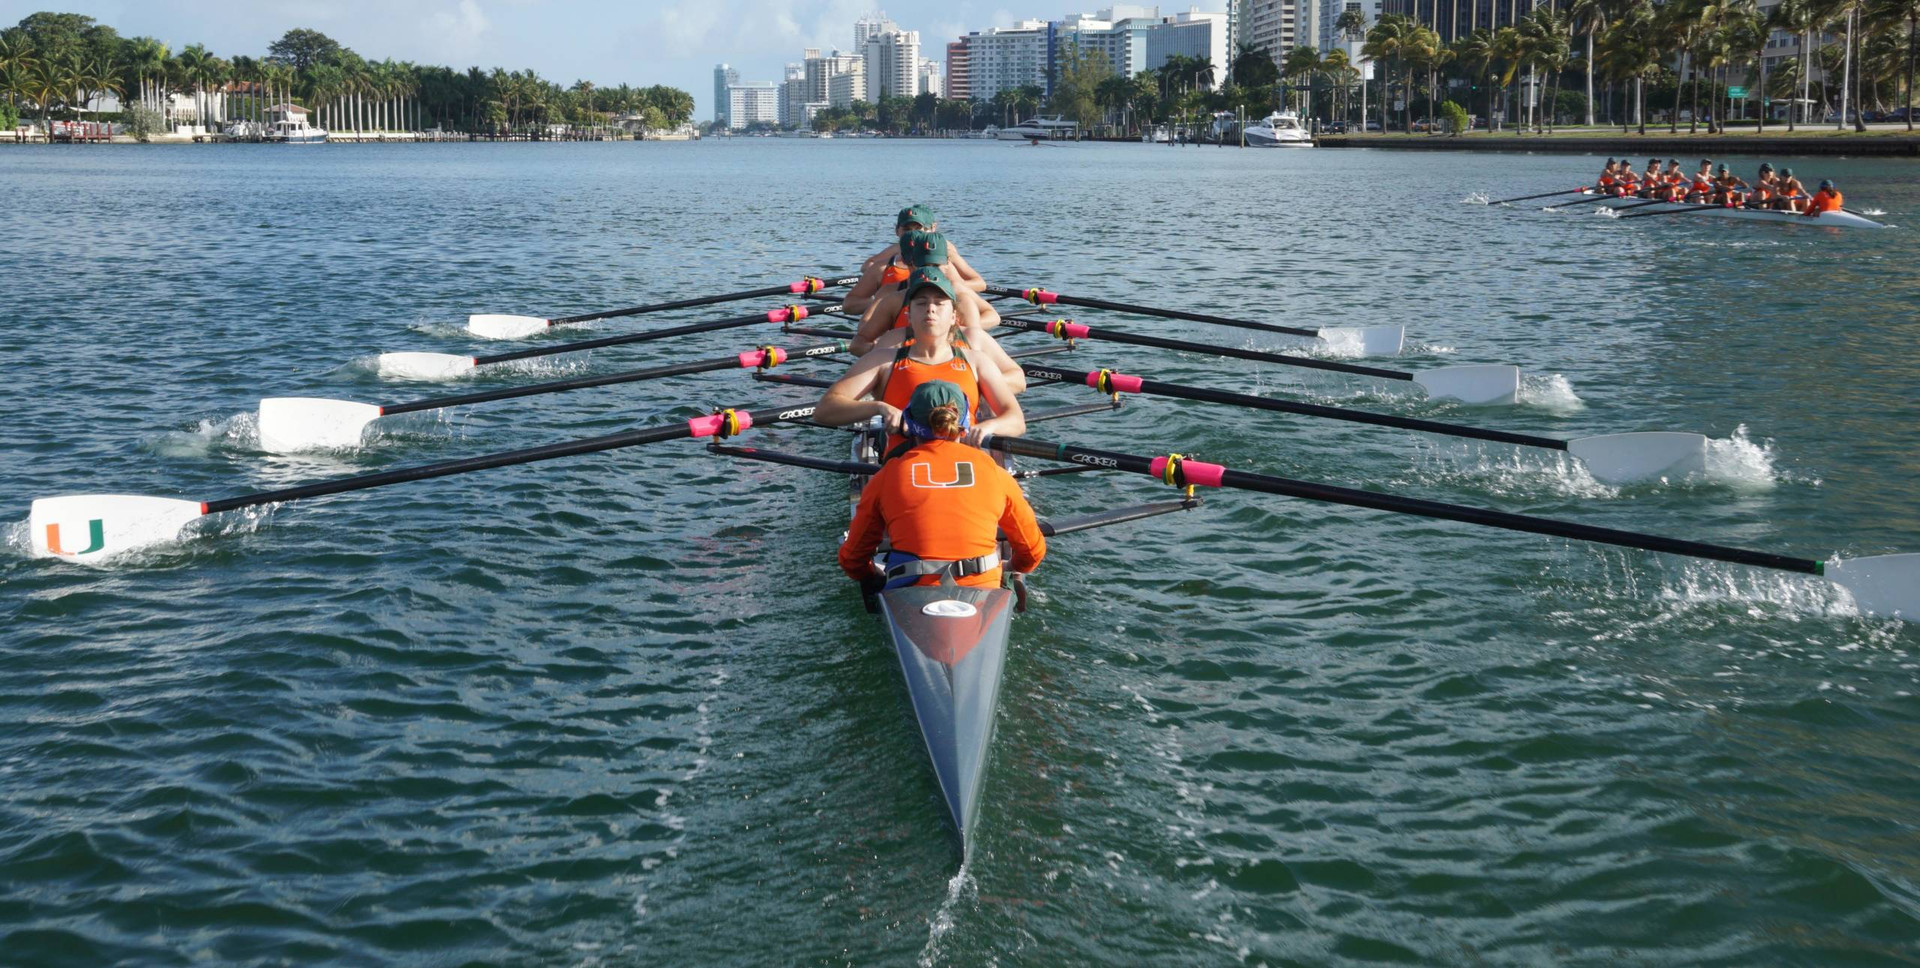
x,y
1799,143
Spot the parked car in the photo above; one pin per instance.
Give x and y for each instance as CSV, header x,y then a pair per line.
x,y
1334,127
1372,126
1424,124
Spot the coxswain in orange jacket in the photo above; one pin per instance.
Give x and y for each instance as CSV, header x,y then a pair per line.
x,y
931,347
887,268
941,505
1827,199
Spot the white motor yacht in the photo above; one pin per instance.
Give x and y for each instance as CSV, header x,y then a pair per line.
x,y
1281,129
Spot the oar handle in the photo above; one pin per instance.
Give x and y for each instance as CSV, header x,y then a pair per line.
x,y
808,285
775,316
1077,330
752,358
1184,472
1040,296
1104,379
707,426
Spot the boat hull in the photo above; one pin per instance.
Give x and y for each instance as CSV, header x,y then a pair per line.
x,y
1837,219
951,643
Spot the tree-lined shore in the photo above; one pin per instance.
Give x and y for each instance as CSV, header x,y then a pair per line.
x,y
61,66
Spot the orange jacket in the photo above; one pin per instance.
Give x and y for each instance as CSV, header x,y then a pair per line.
x,y
1826,200
943,501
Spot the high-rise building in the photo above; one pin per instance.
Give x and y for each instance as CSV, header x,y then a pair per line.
x,y
752,101
1273,27
932,78
1119,33
892,64
793,96
1329,36
959,81
848,86
1452,19
871,24
1190,34
1003,58
822,70
722,77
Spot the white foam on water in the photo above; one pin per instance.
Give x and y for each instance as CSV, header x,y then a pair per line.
x,y
1510,472
1549,392
19,538
238,432
1477,198
1426,349
961,887
1338,344
439,329
1739,462
1873,212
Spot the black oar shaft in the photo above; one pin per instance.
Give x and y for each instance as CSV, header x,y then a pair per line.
x,y
609,379
781,290
1210,395
1331,494
1054,297
632,438
734,322
1528,198
1034,326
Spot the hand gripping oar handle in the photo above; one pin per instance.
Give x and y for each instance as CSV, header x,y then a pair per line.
x,y
762,358
1041,297
721,424
1109,381
783,315
1184,472
806,286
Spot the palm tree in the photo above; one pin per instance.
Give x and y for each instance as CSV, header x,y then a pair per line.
x,y
195,66
16,59
1797,17
1589,17
1847,11
1391,38
1477,53
1632,51
1748,33
1302,62
45,80
1510,47
1891,11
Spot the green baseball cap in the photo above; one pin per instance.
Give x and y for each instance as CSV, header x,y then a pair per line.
x,y
928,276
931,396
921,215
924,248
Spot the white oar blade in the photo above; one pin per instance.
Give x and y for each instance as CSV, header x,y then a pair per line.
x,y
1625,458
1372,340
1481,385
424,366
1881,584
94,527
505,326
291,424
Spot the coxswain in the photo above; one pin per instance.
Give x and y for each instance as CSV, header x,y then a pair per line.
x,y
941,506
885,324
1792,194
880,383
886,268
1827,199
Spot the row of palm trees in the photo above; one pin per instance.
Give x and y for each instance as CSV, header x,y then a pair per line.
x,y
1848,52
345,91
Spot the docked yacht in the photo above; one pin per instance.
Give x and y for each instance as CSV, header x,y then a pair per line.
x,y
1281,129
295,131
1043,128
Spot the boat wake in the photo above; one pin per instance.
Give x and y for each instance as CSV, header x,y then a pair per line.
x,y
1477,198
239,433
961,888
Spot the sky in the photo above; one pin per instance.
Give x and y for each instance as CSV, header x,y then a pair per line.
x,y
608,42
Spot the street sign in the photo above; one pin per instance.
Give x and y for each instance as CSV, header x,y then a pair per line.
x,y
1736,92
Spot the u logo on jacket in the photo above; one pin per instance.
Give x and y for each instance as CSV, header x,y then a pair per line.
x,y
923,475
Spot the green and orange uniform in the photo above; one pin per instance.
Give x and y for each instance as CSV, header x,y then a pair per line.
x,y
943,501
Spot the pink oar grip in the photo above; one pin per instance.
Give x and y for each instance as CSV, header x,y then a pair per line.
x,y
1037,295
1197,472
1121,382
712,423
1075,330
789,314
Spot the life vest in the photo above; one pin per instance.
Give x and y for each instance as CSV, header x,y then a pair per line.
x,y
1702,184
942,505
908,373
1606,180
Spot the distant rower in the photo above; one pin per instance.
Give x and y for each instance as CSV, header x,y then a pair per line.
x,y
886,268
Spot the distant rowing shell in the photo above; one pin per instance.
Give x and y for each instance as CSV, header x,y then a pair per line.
x,y
1839,219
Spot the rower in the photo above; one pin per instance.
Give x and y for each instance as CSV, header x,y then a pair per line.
x,y
1765,187
941,506
976,315
1650,180
1701,187
1607,179
1793,195
1672,181
1629,182
1827,199
880,383
1728,188
886,268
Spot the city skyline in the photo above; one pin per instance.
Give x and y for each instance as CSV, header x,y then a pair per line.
x,y
675,43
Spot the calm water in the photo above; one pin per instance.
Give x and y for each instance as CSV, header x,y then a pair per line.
x,y
624,710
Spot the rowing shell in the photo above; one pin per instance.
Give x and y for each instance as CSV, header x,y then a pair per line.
x,y
951,641
1841,219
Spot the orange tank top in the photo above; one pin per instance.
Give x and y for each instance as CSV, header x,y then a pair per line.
x,y
908,373
894,274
